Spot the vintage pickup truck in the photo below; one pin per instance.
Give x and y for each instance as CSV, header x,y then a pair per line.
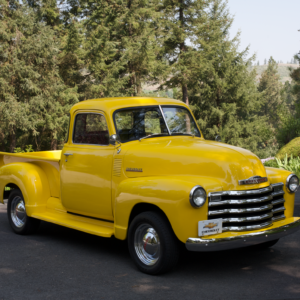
x,y
140,169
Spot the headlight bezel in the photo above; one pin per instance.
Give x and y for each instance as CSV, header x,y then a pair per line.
x,y
287,184
191,197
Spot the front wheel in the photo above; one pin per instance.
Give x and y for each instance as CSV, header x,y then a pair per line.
x,y
152,243
16,212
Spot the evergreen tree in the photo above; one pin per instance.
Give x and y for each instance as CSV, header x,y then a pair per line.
x,y
121,44
224,97
270,88
265,61
33,99
186,24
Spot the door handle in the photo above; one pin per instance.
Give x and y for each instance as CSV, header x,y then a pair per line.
x,y
67,155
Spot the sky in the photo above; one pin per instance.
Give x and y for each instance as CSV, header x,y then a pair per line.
x,y
269,27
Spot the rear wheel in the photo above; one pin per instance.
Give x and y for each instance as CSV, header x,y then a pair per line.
x,y
16,212
152,243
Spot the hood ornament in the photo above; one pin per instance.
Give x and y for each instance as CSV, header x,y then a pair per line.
x,y
253,180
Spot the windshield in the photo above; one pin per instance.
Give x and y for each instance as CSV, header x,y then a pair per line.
x,y
180,121
138,122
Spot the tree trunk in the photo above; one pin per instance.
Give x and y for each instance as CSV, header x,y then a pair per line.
x,y
54,144
185,96
2,142
138,86
12,140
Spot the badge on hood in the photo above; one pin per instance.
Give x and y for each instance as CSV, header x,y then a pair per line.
x,y
253,180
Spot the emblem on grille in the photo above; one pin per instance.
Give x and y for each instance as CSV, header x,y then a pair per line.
x,y
134,170
253,180
211,225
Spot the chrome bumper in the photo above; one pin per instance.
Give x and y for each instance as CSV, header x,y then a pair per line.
x,y
239,241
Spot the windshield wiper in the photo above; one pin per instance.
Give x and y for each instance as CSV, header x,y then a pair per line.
x,y
182,133
151,135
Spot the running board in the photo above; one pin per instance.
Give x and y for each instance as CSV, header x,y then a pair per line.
x,y
60,217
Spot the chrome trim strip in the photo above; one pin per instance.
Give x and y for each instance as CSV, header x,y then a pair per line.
x,y
274,194
277,218
278,201
247,219
253,180
277,184
162,112
240,210
248,228
244,201
277,210
243,240
242,193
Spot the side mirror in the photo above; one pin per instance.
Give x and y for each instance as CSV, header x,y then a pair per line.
x,y
218,139
114,140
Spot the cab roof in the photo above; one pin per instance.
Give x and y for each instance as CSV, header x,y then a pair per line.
x,y
109,105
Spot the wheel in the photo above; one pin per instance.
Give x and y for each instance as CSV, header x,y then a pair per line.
x,y
264,246
16,212
152,243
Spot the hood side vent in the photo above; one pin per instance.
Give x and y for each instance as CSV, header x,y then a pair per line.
x,y
117,167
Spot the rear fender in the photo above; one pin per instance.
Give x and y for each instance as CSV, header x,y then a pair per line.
x,y
31,180
169,194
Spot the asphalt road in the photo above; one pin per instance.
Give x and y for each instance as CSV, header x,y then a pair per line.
x,y
61,263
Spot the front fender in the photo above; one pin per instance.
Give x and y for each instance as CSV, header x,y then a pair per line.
x,y
31,180
170,194
278,175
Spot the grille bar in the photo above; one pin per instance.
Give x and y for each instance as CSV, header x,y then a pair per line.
x,y
248,210
247,228
277,210
248,219
240,202
240,210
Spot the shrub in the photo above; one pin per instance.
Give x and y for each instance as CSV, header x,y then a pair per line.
x,y
290,149
292,164
271,163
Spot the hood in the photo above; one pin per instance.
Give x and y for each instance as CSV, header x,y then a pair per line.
x,y
194,157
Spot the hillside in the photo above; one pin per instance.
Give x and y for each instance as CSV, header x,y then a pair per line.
x,y
282,70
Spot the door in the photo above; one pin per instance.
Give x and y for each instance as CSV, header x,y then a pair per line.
x,y
86,167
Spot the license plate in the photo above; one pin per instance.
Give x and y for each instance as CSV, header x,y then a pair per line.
x,y
209,227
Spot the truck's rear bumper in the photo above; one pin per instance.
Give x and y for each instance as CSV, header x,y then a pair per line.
x,y
237,240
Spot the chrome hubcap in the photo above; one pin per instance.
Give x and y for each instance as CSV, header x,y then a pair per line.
x,y
147,244
18,212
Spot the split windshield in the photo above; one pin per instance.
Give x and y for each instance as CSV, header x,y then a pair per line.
x,y
139,122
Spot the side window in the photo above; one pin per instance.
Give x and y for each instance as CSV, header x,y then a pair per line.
x,y
90,129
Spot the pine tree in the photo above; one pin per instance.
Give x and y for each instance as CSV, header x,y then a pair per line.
x,y
224,97
265,61
270,88
186,24
121,44
33,99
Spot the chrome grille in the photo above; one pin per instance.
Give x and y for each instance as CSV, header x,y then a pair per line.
x,y
247,210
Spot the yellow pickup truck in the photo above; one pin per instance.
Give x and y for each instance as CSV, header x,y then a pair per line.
x,y
140,169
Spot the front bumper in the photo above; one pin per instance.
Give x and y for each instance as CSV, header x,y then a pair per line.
x,y
239,240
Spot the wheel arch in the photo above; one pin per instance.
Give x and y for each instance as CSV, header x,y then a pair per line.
x,y
167,195
30,179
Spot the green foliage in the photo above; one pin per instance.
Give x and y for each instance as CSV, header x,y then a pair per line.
x,y
34,101
290,164
28,148
271,163
290,149
270,89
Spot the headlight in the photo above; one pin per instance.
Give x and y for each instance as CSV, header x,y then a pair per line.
x,y
292,183
197,196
